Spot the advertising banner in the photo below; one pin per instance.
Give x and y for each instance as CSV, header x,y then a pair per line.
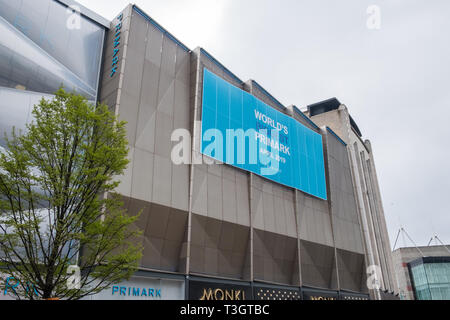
x,y
240,130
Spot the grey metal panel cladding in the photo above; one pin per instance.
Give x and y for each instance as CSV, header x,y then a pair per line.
x,y
242,198
317,265
273,207
147,102
142,181
163,234
229,200
214,196
351,271
146,122
199,191
153,51
169,53
347,230
275,257
314,221
218,247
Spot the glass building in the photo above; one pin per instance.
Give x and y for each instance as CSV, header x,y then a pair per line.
x,y
45,44
431,278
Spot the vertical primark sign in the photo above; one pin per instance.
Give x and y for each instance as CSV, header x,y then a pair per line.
x,y
116,44
241,130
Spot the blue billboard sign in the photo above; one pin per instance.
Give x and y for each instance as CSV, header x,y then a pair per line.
x,y
241,130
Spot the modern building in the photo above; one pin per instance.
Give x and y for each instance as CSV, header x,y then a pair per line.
x,y
423,273
369,204
40,50
304,221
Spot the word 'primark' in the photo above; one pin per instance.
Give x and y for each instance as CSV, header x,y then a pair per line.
x,y
136,292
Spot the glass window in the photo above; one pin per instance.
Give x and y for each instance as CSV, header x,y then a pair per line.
x,y
432,281
39,51
15,109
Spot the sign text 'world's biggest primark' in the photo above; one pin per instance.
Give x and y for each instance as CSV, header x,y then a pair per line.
x,y
240,130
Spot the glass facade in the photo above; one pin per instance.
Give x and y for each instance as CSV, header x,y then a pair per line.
x,y
15,109
44,45
431,278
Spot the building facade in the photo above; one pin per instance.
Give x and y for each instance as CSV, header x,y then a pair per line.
x,y
212,230
217,223
369,204
423,273
40,50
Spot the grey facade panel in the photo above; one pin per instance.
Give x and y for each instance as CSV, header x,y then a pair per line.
x,y
162,173
153,52
218,248
146,122
199,191
142,179
180,191
314,220
352,274
215,196
275,258
347,230
146,101
129,107
318,265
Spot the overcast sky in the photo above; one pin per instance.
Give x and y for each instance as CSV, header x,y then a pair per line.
x,y
394,80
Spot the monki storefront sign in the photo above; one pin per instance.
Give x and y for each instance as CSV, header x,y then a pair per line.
x,y
222,294
205,290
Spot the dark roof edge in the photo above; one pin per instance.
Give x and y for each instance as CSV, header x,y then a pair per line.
x,y
322,102
430,259
160,28
220,65
265,92
336,136
305,117
355,126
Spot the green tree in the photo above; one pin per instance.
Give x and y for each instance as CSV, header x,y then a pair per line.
x,y
57,202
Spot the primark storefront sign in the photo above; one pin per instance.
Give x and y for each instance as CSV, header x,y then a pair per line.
x,y
240,130
10,287
135,292
144,288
